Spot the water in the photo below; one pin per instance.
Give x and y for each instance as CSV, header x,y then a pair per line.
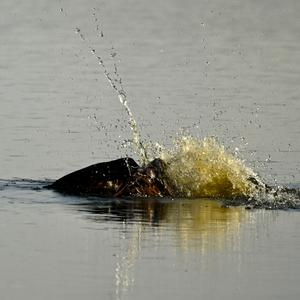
x,y
204,68
55,247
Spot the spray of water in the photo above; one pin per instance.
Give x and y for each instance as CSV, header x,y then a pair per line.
x,y
204,168
116,84
200,168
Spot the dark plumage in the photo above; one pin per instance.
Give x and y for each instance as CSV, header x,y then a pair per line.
x,y
118,178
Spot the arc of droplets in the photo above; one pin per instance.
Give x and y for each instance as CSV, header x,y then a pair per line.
x,y
123,99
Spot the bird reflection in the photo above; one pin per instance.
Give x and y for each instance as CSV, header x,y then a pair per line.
x,y
196,222
199,224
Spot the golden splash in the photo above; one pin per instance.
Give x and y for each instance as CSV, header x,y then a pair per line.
x,y
204,168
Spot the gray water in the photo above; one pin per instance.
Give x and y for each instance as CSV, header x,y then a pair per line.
x,y
224,68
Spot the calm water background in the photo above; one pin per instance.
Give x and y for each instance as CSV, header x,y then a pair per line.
x,y
224,68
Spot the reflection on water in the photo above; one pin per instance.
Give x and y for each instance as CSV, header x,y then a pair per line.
x,y
191,219
200,225
117,248
129,253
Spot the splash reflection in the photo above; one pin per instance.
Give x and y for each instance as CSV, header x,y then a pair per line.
x,y
202,224
199,225
189,218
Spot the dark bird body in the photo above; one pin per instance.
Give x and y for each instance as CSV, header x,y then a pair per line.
x,y
118,178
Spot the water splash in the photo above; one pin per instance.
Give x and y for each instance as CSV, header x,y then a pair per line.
x,y
203,168
137,142
116,83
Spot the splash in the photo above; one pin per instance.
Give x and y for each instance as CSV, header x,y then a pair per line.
x,y
115,82
200,168
137,141
204,168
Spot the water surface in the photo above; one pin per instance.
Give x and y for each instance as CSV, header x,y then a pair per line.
x,y
223,68
56,247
